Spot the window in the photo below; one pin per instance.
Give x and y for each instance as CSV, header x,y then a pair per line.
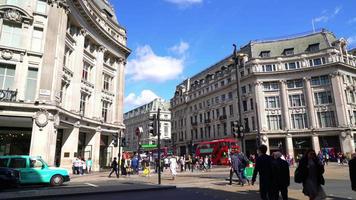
x,y
299,121
244,105
105,110
323,97
268,68
243,89
326,119
253,123
246,125
37,35
7,76
11,34
265,54
313,47
66,59
272,102
268,86
251,104
222,83
36,163
297,83
86,71
3,162
317,61
41,6
231,108
223,97
296,100
288,52
230,95
17,163
351,98
107,82
83,100
15,2
31,84
292,65
274,122
320,80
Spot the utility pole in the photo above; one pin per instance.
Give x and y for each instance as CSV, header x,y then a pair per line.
x,y
159,144
239,131
119,156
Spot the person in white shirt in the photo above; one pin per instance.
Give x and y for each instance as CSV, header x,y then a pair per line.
x,y
173,166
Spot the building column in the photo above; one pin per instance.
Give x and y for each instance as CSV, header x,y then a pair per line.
x,y
94,142
315,142
98,87
339,99
310,103
120,86
289,145
43,138
347,142
285,110
260,101
69,146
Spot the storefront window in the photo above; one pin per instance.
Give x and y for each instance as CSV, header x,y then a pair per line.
x,y
15,142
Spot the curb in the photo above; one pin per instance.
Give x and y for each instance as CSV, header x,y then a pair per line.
x,y
154,188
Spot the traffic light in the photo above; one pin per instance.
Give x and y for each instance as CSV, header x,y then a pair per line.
x,y
237,129
152,125
115,139
123,142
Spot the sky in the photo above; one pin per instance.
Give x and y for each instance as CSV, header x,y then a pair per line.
x,y
172,40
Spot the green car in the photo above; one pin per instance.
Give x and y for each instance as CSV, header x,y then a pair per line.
x,y
33,170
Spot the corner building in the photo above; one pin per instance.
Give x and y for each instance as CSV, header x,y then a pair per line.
x,y
61,80
296,93
140,117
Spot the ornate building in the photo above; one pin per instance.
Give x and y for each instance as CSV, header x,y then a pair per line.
x,y
140,117
61,79
296,93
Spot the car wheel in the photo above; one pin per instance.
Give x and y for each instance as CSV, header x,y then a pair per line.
x,y
56,180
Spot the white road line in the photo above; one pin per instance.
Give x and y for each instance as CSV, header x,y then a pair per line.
x,y
92,185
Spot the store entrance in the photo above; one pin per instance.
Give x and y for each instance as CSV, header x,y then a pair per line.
x,y
15,141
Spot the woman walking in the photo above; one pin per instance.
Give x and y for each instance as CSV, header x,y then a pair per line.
x,y
310,173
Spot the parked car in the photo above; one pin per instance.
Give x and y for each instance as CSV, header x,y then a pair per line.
x,y
9,177
33,170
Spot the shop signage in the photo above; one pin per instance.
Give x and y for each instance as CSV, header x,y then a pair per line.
x,y
8,95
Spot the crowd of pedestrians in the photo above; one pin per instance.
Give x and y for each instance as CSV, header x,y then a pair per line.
x,y
80,166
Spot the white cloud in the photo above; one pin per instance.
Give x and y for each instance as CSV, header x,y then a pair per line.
x,y
146,96
185,3
328,15
180,48
151,67
351,40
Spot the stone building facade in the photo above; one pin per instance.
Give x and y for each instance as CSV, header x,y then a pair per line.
x,y
140,117
296,93
62,79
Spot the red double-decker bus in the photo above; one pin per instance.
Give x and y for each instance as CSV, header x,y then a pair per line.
x,y
218,150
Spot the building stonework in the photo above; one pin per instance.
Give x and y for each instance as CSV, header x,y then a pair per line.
x,y
62,63
140,117
296,93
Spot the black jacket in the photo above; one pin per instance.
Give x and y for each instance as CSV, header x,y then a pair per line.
x,y
280,173
263,167
114,164
352,168
303,167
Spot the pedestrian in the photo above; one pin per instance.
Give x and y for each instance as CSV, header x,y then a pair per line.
x,y
310,172
166,163
263,168
280,177
181,162
235,168
84,166
173,166
243,164
352,169
123,166
114,168
134,164
80,166
206,163
89,163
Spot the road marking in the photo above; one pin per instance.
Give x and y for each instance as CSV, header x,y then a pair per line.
x,y
92,185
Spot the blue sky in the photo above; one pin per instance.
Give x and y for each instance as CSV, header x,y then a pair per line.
x,y
175,39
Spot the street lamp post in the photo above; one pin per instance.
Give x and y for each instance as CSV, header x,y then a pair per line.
x,y
240,131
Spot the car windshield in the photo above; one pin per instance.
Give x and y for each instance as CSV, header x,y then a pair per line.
x,y
3,162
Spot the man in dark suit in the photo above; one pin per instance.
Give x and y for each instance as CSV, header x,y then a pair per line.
x,y
352,169
263,168
280,177
114,168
